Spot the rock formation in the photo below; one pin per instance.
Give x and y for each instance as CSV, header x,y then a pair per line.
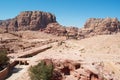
x,y
28,20
55,29
46,22
59,30
37,20
75,70
99,26
72,32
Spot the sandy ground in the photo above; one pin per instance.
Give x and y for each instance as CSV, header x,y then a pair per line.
x,y
103,48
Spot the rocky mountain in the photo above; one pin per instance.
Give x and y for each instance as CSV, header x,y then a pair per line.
x,y
46,22
98,26
28,20
37,20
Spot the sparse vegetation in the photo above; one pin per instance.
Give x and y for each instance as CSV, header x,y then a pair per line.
x,y
41,71
3,58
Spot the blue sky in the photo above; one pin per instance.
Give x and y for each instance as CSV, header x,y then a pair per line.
x,y
68,12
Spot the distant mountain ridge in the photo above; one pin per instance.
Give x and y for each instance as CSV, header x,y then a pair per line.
x,y
46,22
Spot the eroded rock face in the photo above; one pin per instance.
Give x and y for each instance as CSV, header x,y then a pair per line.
x,y
55,29
75,70
72,32
99,26
35,20
43,21
28,20
59,30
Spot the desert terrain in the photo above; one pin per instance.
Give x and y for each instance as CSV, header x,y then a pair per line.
x,y
88,53
103,49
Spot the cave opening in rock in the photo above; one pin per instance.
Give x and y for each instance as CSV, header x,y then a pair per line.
x,y
94,76
77,66
66,70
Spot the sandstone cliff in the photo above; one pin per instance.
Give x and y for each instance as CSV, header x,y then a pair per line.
x,y
46,22
28,20
37,20
98,26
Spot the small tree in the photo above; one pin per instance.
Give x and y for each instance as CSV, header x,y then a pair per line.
x,y
3,58
41,71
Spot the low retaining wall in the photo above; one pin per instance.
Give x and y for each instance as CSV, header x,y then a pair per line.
x,y
32,53
5,72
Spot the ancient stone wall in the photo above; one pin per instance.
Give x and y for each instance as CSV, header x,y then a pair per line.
x,y
4,73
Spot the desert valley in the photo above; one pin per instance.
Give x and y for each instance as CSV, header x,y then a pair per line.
x,y
88,53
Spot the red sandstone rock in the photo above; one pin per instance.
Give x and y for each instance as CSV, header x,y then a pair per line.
x,y
28,20
38,20
55,29
99,26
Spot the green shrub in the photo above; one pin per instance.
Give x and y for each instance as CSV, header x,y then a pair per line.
x,y
3,58
41,71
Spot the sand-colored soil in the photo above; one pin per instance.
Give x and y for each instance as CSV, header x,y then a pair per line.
x,y
102,48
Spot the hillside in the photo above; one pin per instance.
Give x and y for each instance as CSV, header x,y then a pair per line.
x,y
92,51
95,54
46,22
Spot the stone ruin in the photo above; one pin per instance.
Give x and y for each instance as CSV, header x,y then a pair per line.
x,y
76,70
